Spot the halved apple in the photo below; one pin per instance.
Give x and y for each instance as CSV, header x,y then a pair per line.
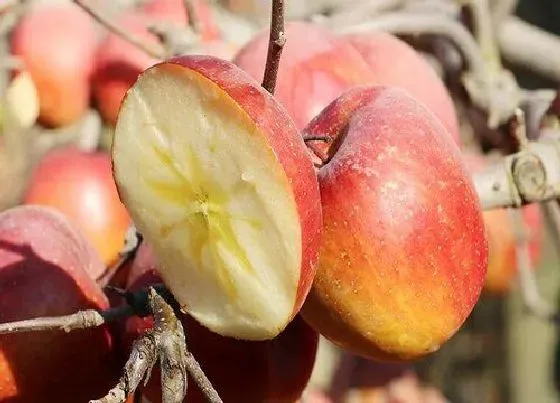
x,y
217,178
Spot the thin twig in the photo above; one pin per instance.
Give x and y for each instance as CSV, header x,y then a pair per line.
x,y
275,45
151,49
192,16
201,380
79,320
132,242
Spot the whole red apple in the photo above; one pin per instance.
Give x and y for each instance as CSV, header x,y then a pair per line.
x,y
395,63
56,43
316,67
502,242
276,370
44,262
80,185
404,250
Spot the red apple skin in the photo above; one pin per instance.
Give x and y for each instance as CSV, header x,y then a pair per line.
x,y
502,258
316,67
404,251
43,264
119,63
81,186
279,131
174,11
57,45
395,63
276,370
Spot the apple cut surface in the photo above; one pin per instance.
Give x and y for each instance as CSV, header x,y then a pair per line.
x,y
218,180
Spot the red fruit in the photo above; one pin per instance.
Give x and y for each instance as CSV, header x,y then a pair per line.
x,y
57,45
404,250
276,370
43,272
395,63
315,68
119,63
80,185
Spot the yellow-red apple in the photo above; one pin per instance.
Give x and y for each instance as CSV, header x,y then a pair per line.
x,y
44,262
81,185
404,249
395,63
316,67
218,180
502,242
56,43
275,370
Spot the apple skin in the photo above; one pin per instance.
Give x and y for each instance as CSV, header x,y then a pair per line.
x,y
395,63
81,186
57,45
118,65
242,371
43,272
404,251
502,259
279,132
316,66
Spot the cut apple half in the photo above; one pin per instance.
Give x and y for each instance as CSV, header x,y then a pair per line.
x,y
217,179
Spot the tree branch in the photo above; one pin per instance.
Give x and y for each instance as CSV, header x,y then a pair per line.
x,y
275,45
151,49
531,47
531,175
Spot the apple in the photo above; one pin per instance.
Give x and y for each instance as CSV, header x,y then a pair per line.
x,y
174,11
218,180
502,243
395,63
80,185
404,249
56,43
119,63
275,370
44,262
316,67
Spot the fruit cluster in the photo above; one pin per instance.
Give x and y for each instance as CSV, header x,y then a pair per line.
x,y
341,206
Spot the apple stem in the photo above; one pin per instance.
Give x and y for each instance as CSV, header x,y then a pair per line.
x,y
192,16
276,43
322,138
152,50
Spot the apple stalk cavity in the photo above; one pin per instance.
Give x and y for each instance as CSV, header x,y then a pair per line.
x,y
217,178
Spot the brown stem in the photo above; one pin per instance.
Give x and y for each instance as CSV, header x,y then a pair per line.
x,y
192,16
132,242
151,49
201,380
324,139
275,45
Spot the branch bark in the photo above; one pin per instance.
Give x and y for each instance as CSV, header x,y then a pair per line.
x,y
527,46
531,175
275,45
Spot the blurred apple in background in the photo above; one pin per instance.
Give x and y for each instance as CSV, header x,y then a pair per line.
x,y
502,242
44,267
56,44
80,185
316,67
396,63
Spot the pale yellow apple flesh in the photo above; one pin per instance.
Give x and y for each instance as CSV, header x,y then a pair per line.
x,y
209,194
